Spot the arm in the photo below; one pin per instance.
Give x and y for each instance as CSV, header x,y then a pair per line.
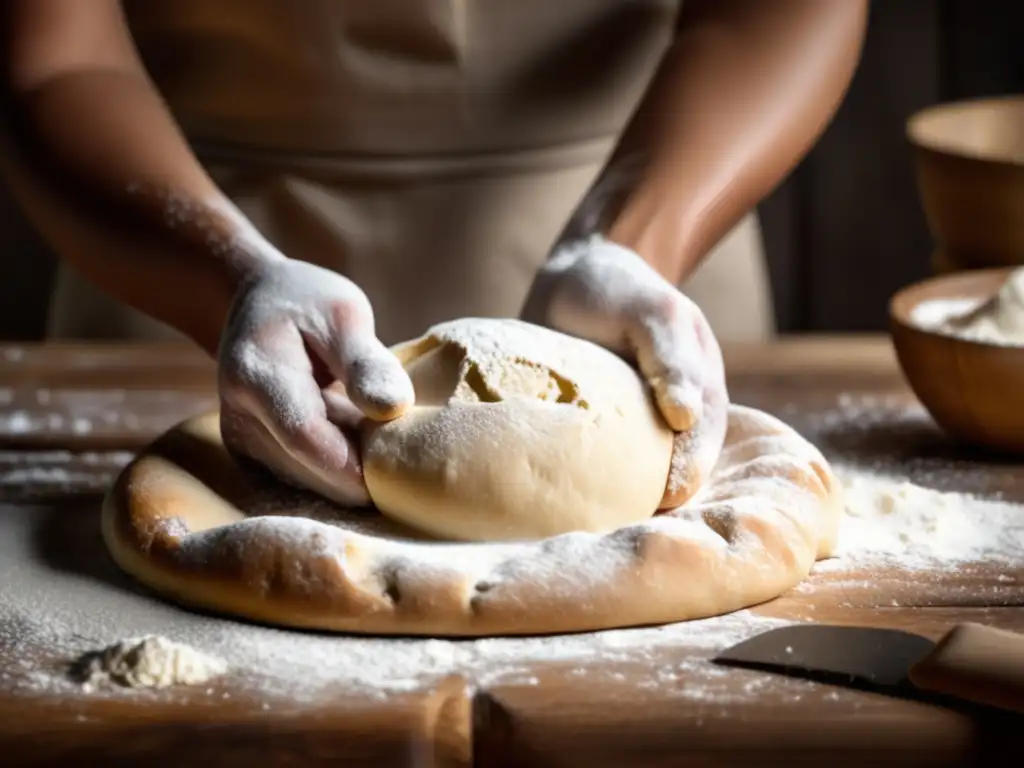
x,y
105,175
742,94
102,171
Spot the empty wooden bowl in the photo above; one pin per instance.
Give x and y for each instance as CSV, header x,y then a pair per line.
x,y
969,157
973,390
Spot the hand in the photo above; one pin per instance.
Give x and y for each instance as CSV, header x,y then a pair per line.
x,y
600,291
292,330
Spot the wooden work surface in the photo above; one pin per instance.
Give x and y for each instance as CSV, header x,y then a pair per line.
x,y
69,416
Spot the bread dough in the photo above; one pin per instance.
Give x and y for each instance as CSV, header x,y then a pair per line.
x,y
195,526
518,432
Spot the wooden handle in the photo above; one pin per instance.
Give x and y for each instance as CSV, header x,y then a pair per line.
x,y
978,664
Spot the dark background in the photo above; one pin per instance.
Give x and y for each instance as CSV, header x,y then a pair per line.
x,y
844,231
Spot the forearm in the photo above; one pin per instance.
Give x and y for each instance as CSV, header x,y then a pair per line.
x,y
102,172
743,93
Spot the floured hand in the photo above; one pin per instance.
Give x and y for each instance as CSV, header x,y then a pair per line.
x,y
605,293
294,328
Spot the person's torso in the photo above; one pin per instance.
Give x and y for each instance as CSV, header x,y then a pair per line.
x,y
430,150
401,77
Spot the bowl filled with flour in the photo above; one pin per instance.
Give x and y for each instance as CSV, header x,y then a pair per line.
x,y
960,342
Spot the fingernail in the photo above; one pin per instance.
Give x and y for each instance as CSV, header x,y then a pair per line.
x,y
386,390
682,406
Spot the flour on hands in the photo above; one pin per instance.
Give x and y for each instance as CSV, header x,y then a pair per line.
x,y
290,318
605,293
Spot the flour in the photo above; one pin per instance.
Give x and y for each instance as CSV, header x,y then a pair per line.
x,y
939,510
44,471
148,662
998,320
90,412
895,522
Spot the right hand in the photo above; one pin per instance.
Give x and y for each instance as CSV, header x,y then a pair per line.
x,y
293,329
606,293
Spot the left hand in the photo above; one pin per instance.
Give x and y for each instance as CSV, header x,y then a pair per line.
x,y
605,293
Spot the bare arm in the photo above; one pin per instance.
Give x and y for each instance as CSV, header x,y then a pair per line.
x,y
743,93
103,172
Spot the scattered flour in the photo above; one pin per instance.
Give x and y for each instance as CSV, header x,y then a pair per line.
x,y
43,471
939,509
998,320
54,607
893,521
147,662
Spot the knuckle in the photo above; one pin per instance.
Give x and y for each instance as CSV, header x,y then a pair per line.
x,y
237,371
346,315
349,307
667,308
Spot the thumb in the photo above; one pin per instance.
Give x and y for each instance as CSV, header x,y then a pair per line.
x,y
678,356
374,379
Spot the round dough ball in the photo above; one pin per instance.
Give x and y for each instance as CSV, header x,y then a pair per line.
x,y
518,432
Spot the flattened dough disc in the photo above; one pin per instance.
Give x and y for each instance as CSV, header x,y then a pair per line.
x,y
186,520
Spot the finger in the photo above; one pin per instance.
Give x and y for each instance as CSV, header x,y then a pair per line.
x,y
696,452
373,378
275,412
247,436
341,410
671,349
684,477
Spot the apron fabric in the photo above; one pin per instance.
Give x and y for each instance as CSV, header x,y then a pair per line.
x,y
429,150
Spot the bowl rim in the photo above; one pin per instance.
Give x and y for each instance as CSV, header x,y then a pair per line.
x,y
974,283
913,128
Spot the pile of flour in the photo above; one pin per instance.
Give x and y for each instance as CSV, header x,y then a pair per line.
x,y
998,320
146,662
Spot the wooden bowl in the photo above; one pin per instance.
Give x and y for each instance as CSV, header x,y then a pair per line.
x,y
973,390
969,157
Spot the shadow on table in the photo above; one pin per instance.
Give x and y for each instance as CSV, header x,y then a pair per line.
x,y
67,538
921,452
889,440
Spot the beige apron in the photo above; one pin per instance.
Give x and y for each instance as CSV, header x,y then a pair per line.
x,y
430,150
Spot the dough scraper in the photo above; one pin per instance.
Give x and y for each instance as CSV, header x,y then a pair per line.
x,y
970,663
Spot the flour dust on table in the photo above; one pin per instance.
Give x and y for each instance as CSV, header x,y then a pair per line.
x,y
891,521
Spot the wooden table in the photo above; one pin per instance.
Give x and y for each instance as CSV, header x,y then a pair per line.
x,y
99,403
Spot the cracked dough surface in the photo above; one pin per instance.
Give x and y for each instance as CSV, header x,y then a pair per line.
x,y
518,432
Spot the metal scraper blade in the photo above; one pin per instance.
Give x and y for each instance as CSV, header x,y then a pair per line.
x,y
870,658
